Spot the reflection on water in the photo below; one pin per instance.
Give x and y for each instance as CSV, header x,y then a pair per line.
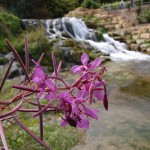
x,y
126,126
139,87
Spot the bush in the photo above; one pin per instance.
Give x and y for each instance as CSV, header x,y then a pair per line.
x,y
3,60
9,23
99,33
90,4
147,15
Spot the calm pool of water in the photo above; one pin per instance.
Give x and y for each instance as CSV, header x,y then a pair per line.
x,y
126,126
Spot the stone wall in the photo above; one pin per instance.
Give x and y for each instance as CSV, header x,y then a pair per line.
x,y
120,28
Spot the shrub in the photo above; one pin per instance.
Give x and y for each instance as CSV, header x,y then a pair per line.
x,y
147,15
9,22
3,60
99,33
90,4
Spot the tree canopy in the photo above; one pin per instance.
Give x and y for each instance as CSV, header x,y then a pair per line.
x,y
43,9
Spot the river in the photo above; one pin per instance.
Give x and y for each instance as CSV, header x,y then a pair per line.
x,y
126,125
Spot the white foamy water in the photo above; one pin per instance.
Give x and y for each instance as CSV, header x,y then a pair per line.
x,y
78,30
117,50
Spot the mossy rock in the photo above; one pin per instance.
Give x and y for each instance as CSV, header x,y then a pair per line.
x,y
78,50
3,60
70,43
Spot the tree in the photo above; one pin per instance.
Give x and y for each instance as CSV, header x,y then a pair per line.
x,y
61,7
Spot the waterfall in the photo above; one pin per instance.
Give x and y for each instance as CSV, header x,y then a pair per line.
x,y
117,50
78,30
75,28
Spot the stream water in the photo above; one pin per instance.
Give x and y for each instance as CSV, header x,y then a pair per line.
x,y
126,125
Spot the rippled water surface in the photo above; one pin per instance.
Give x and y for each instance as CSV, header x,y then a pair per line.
x,y
126,126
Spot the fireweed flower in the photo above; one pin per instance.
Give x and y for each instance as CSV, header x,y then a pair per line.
x,y
72,100
40,79
85,66
77,113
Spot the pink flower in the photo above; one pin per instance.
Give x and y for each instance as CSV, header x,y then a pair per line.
x,y
77,113
92,89
85,66
40,78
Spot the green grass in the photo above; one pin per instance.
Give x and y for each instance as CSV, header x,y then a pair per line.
x,y
55,136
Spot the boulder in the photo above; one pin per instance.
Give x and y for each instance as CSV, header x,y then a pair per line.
x,y
15,71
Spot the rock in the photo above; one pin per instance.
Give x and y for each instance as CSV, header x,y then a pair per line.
x,y
110,27
144,47
3,60
135,37
9,56
145,35
15,71
134,47
119,38
148,51
105,59
140,41
1,55
64,34
118,26
91,24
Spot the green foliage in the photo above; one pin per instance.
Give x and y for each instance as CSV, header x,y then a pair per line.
x,y
9,28
99,33
3,60
143,17
78,50
90,4
9,23
5,95
57,137
41,9
60,7
147,15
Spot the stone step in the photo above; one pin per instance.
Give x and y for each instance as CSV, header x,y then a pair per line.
x,y
144,47
118,38
113,33
110,27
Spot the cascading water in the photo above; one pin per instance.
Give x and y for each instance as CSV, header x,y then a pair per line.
x,y
117,50
77,29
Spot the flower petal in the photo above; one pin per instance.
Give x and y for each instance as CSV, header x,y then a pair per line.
x,y
95,63
63,123
84,123
91,113
99,95
50,85
39,73
82,93
84,59
76,69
